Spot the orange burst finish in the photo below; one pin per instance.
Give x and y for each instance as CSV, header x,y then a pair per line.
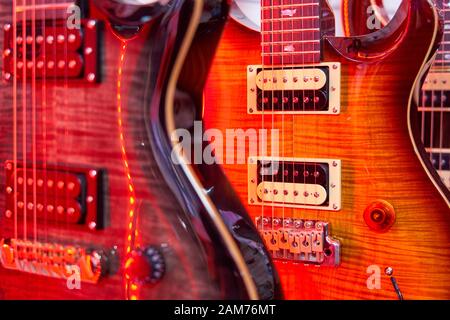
x,y
371,137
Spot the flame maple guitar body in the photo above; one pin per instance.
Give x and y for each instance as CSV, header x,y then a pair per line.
x,y
121,226
371,138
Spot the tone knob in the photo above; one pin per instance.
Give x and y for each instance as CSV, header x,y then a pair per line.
x,y
379,216
145,266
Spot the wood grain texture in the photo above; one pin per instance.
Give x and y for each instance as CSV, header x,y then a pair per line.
x,y
371,138
82,129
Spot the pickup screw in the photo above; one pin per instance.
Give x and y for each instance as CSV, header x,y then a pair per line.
x,y
92,225
71,38
295,79
306,194
285,80
333,89
252,180
250,69
252,89
335,207
275,80
316,79
88,51
286,192
91,77
9,190
7,52
319,226
9,166
252,200
7,27
297,224
275,191
333,185
250,110
335,66
308,224
305,79
335,164
389,271
295,193
8,213
29,39
316,194
40,64
276,222
7,76
50,39
335,110
39,39
90,199
91,24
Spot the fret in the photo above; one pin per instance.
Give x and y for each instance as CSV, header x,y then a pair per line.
x,y
291,18
290,42
287,59
290,32
295,30
292,48
433,109
290,36
288,25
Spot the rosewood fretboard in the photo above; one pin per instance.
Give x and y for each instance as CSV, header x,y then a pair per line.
x,y
290,31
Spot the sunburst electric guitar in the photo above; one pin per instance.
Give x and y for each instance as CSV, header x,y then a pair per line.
x,y
92,205
340,197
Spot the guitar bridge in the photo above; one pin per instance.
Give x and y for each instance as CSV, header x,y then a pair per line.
x,y
53,260
298,240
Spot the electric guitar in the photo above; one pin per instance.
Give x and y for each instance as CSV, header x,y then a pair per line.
x,y
92,205
430,118
340,196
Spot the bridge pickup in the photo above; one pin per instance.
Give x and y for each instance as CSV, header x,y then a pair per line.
x,y
295,183
60,52
309,89
53,260
299,240
63,194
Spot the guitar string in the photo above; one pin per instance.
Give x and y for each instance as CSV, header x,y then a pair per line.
x,y
263,143
441,125
15,133
33,115
24,119
44,178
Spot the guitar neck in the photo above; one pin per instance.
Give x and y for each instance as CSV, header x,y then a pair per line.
x,y
290,32
442,61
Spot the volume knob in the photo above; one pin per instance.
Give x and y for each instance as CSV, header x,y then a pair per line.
x,y
145,266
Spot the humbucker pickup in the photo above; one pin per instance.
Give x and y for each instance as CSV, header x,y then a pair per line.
x,y
310,89
60,52
57,193
295,182
53,260
299,240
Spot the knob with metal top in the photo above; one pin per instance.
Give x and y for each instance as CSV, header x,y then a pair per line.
x,y
145,266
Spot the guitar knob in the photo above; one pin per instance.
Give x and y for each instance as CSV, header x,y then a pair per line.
x,y
145,266
379,216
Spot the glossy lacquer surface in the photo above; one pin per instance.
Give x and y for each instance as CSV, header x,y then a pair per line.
x,y
105,125
372,139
